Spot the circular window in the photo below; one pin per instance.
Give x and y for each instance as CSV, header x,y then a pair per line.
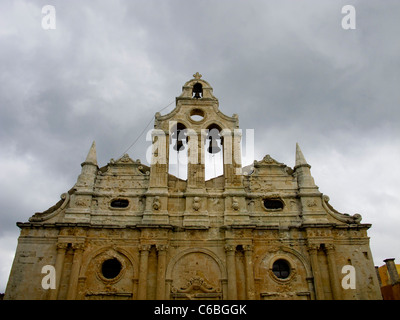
x,y
281,269
197,115
111,268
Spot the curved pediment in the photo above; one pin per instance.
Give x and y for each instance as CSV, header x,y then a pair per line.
x,y
196,108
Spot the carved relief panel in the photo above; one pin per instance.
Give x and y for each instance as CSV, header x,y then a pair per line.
x,y
196,275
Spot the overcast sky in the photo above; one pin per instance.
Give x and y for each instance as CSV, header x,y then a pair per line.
x,y
287,68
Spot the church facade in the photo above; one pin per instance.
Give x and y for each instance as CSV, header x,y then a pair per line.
x,y
131,231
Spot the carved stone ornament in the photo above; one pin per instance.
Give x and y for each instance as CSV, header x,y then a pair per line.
x,y
196,284
311,203
81,203
144,247
62,246
78,246
156,203
196,204
268,160
54,210
235,204
161,247
125,159
142,170
343,217
230,248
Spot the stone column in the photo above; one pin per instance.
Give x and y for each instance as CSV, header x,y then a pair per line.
x,y
231,270
161,265
391,268
76,265
61,249
248,264
143,268
333,275
319,291
378,276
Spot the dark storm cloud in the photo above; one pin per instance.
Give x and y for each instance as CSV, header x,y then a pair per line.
x,y
287,68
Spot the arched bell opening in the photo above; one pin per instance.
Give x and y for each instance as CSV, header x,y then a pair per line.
x,y
197,92
178,150
214,152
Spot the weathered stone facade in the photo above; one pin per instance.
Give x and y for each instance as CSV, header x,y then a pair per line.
x,y
130,231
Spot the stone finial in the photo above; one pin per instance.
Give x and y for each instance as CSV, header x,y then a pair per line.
x,y
300,160
302,168
92,156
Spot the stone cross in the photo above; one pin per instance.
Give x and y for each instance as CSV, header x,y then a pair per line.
x,y
197,75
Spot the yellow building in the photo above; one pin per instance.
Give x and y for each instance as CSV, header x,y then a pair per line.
x,y
388,276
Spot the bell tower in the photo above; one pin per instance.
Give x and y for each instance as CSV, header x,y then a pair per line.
x,y
197,126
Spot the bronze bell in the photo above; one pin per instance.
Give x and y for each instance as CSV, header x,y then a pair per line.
x,y
213,147
197,91
179,144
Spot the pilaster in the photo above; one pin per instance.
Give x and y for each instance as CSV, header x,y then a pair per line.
x,y
313,252
76,265
61,250
161,268
143,269
230,251
333,273
249,273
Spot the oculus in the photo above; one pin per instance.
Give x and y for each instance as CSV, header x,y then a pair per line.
x,y
281,269
111,268
197,115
